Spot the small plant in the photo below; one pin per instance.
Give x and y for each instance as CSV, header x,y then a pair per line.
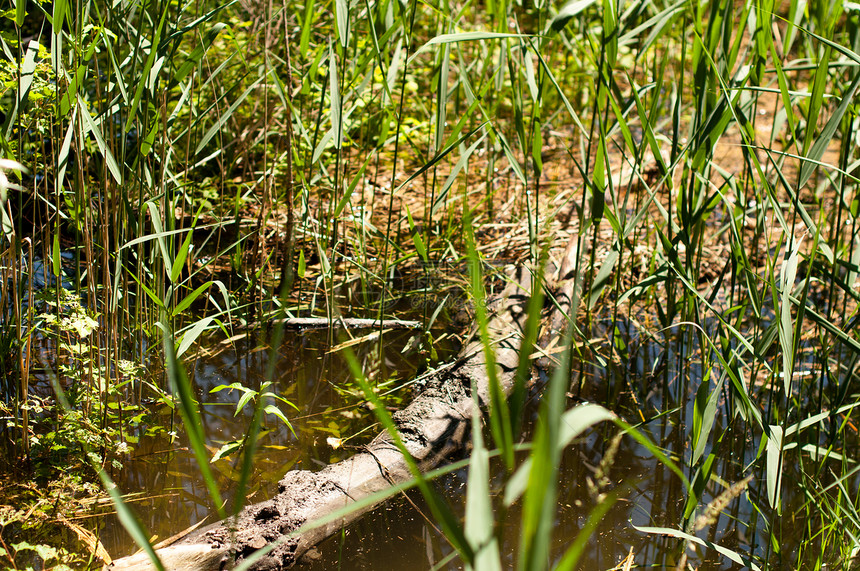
x,y
251,397
97,414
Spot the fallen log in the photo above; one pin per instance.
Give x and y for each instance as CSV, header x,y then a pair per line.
x,y
301,323
433,427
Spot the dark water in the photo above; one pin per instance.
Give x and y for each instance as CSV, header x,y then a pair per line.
x,y
655,385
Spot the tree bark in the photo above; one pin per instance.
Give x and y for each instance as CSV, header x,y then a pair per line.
x,y
434,426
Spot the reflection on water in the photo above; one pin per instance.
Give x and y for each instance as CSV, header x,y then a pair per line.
x,y
308,375
655,390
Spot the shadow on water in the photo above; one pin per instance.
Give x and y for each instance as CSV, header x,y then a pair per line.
x,y
655,390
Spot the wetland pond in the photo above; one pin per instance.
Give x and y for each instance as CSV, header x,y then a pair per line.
x,y
330,420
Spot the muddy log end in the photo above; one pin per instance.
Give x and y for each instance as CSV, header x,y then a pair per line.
x,y
178,557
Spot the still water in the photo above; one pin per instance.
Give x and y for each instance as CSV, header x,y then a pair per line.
x,y
653,385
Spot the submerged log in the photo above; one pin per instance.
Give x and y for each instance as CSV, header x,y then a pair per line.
x,y
433,427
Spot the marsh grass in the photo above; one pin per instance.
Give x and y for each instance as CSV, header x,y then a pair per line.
x,y
203,164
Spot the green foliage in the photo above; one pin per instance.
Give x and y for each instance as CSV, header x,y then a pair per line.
x,y
181,151
256,399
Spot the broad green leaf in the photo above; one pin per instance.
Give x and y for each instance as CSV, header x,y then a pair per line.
x,y
464,37
181,256
20,12
189,299
246,397
275,411
573,423
480,522
787,277
601,280
55,255
341,9
192,334
335,100
704,415
416,236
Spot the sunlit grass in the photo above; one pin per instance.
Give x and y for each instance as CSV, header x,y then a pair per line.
x,y
190,166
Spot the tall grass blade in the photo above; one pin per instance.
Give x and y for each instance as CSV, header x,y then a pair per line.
x,y
774,467
479,507
181,387
539,504
128,520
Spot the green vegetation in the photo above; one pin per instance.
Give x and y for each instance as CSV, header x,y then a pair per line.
x,y
173,170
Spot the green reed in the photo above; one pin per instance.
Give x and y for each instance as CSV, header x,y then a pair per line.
x,y
177,154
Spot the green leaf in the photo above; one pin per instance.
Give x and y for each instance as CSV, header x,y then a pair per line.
x,y
787,277
28,67
704,415
573,423
601,280
243,400
440,510
181,256
20,12
570,10
479,506
192,334
225,450
188,409
237,386
539,503
822,141
275,411
442,197
147,67
341,9
334,99
427,166
224,117
55,254
199,51
128,520
732,555
416,236
91,126
300,271
500,420
774,467
464,37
